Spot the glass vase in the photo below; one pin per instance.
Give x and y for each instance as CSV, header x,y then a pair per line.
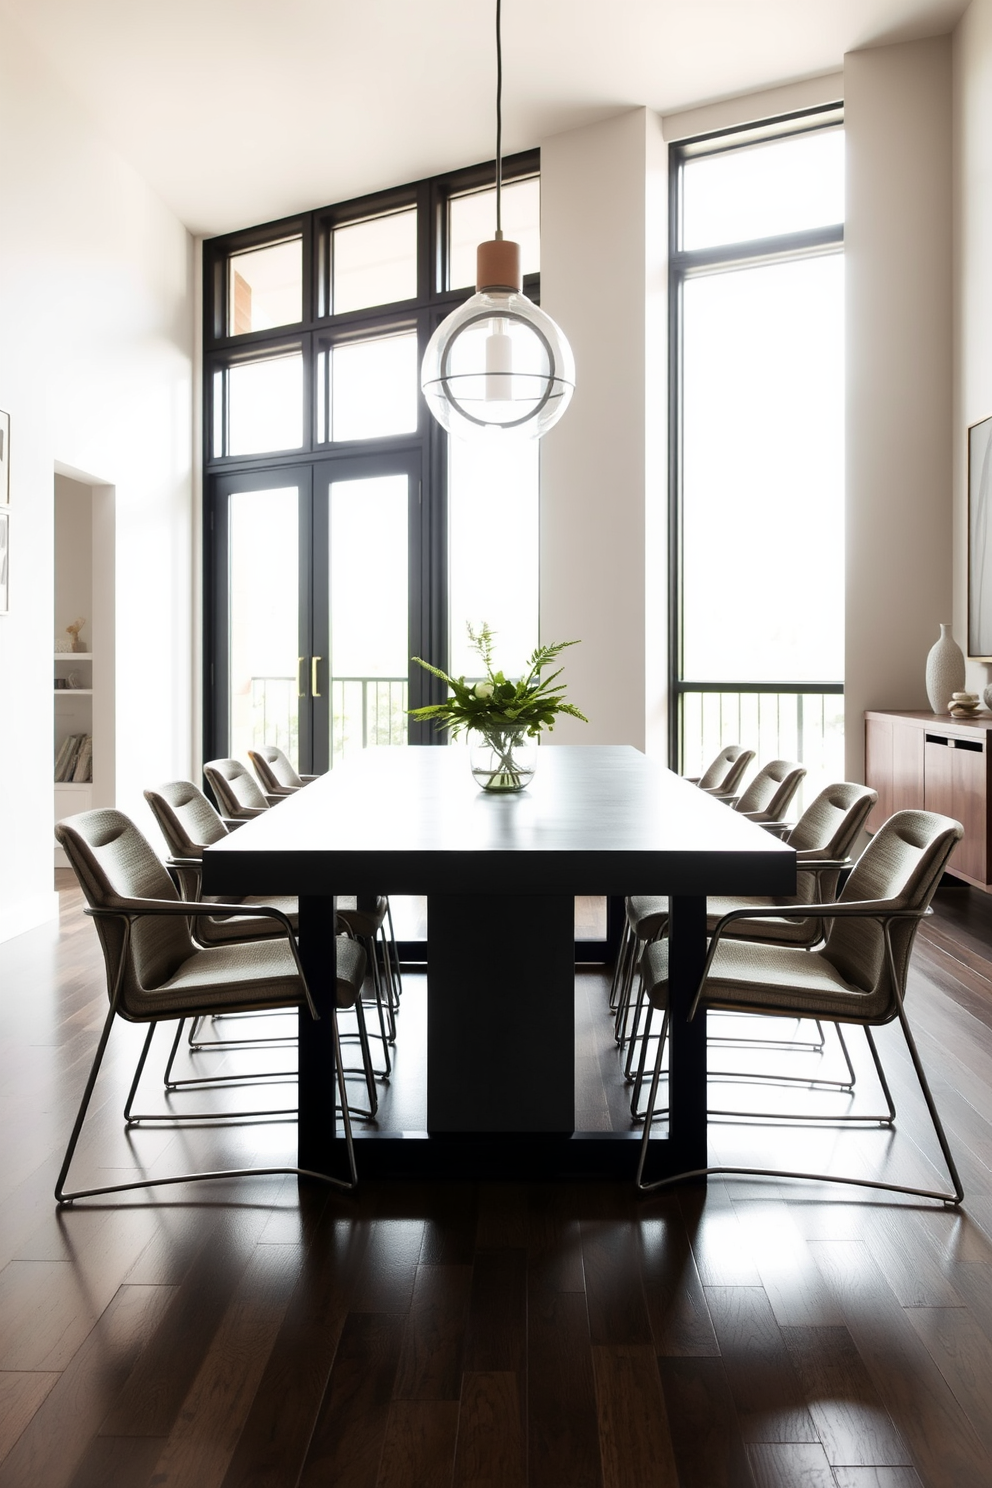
x,y
503,759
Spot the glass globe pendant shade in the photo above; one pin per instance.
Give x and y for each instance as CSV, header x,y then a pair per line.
x,y
498,366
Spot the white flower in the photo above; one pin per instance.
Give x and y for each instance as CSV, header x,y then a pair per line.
x,y
483,689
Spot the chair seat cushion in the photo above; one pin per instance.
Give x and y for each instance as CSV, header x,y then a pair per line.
x,y
211,931
362,922
803,931
648,918
647,915
243,976
771,979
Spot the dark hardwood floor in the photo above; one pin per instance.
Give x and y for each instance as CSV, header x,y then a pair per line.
x,y
773,1335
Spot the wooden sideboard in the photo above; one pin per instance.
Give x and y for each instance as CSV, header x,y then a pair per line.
x,y
937,763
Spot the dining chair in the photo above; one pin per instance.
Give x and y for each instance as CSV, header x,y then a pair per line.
x,y
822,838
770,793
857,977
189,825
724,774
156,973
235,789
275,772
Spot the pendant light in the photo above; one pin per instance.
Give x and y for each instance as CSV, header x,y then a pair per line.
x,y
498,367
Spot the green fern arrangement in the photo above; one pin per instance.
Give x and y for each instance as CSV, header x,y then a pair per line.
x,y
497,703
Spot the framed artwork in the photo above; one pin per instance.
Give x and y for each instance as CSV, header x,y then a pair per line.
x,y
980,541
4,562
4,458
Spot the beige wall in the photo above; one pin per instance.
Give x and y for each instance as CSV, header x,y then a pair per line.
x,y
899,359
973,277
603,234
95,368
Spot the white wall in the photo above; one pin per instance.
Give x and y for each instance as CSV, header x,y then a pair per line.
x,y
95,347
897,113
973,277
603,243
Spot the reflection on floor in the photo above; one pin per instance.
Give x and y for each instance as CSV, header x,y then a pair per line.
x,y
560,1336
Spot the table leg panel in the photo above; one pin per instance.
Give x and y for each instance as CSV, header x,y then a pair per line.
x,y
318,952
501,1013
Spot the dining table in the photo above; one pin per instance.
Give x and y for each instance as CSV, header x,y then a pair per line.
x,y
500,872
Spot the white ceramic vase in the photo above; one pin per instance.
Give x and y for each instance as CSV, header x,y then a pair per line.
x,y
945,671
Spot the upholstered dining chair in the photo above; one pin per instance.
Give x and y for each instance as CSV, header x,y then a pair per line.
x,y
157,973
823,838
189,825
857,977
235,789
723,775
770,793
275,773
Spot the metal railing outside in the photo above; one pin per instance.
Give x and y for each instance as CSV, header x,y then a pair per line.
x,y
365,712
800,722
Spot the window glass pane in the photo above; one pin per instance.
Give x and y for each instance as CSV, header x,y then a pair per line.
x,y
374,387
493,552
265,287
472,220
369,609
760,190
374,262
264,621
265,405
763,462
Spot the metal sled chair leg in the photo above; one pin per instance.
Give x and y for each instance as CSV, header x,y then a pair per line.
x,y
857,977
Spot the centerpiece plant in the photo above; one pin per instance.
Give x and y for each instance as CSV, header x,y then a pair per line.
x,y
504,712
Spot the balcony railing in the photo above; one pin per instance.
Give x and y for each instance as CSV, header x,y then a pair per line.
x,y
800,722
365,712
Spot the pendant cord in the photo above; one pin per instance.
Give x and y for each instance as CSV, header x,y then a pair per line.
x,y
499,124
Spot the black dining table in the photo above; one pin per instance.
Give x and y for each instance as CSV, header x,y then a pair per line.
x,y
500,873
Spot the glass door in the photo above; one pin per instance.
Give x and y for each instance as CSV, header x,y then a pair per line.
x,y
366,603
320,593
259,525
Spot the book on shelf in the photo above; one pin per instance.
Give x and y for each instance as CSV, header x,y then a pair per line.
x,y
72,763
84,761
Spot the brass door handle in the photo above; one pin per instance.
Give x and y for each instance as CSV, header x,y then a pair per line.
x,y
313,675
299,676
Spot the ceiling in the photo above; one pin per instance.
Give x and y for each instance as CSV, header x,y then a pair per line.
x,y
239,111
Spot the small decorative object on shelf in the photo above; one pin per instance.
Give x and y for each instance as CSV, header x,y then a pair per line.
x,y
945,671
63,644
964,704
508,716
72,631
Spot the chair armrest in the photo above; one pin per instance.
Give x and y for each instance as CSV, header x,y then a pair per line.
x,y
131,909
308,778
273,798
231,822
865,909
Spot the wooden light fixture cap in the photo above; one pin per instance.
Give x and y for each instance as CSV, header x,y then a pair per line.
x,y
497,266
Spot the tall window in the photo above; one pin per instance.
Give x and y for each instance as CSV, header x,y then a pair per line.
x,y
757,423
342,536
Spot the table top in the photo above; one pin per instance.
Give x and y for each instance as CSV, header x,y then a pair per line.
x,y
596,819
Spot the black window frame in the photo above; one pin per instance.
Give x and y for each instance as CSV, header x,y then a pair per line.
x,y
682,264
314,332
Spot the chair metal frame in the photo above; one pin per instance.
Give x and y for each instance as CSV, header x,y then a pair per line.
x,y
127,914
864,909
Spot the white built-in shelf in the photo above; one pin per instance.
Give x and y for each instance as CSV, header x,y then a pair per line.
x,y
73,655
73,691
73,785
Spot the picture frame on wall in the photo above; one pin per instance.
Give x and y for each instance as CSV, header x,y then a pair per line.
x,y
4,561
980,540
4,458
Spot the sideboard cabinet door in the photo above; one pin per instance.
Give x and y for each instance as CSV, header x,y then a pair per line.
x,y
955,776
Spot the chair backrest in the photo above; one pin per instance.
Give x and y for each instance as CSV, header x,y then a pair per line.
x,y
725,773
235,789
274,771
770,793
828,829
115,863
901,865
186,818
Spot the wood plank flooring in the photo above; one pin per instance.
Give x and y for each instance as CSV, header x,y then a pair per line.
x,y
258,1335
